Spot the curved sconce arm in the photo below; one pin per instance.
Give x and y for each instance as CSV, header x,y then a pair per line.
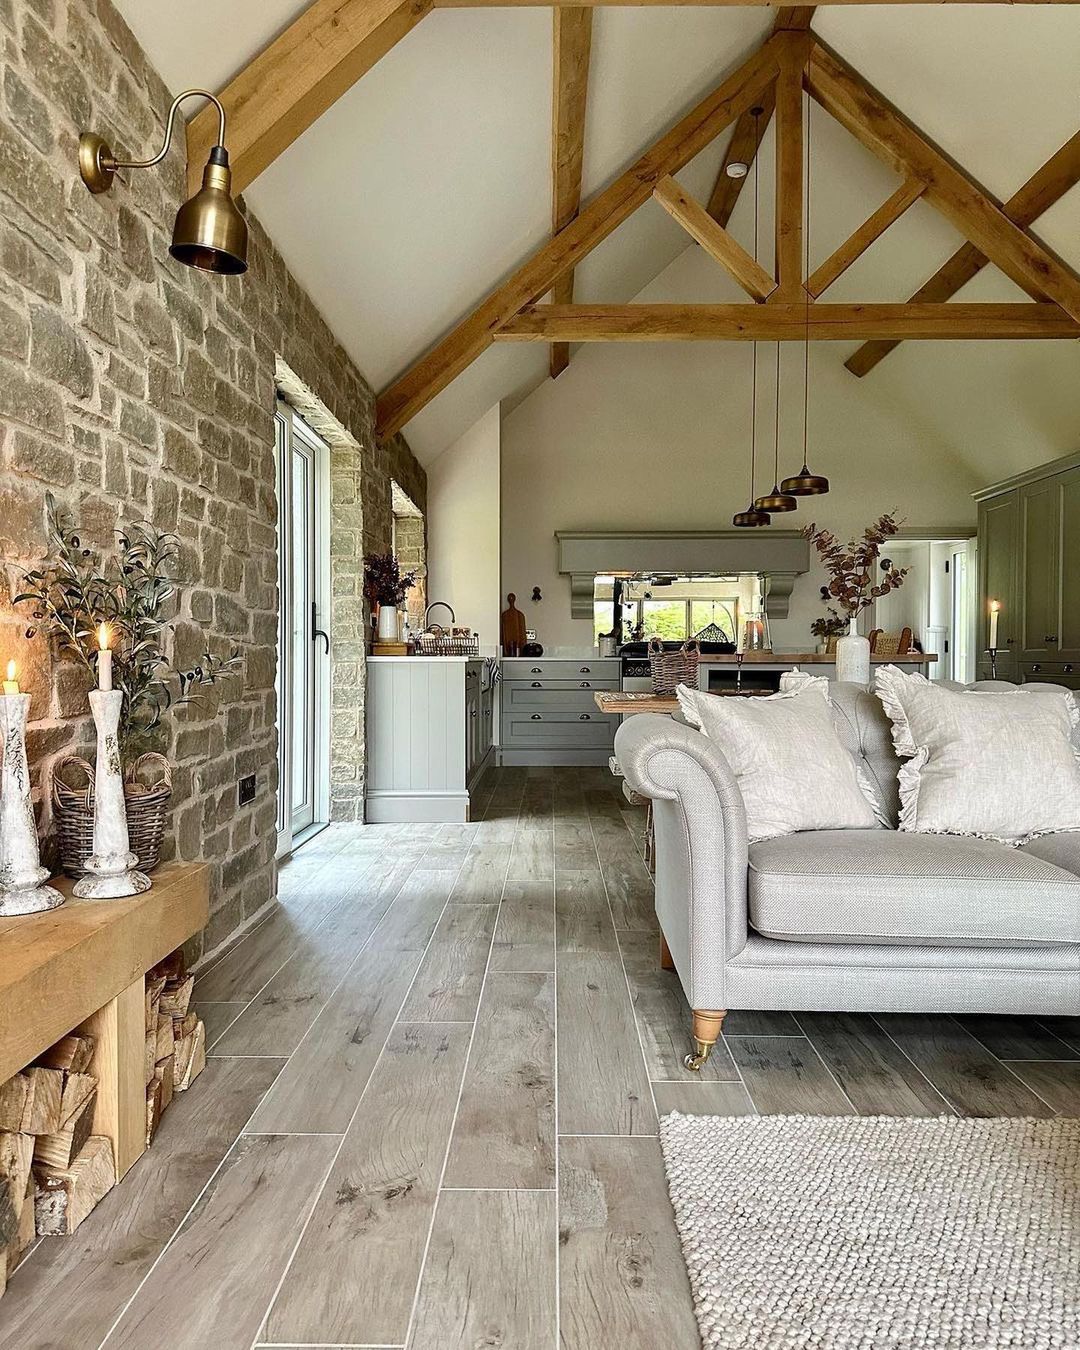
x,y
188,93
98,165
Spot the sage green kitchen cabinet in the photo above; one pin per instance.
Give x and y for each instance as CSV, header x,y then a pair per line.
x,y
999,529
1029,560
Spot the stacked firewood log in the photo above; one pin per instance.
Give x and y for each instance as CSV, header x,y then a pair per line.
x,y
53,1168
175,1037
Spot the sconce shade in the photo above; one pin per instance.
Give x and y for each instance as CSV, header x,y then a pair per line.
x,y
210,233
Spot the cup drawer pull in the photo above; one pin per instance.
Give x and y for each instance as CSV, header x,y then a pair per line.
x,y
536,670
536,685
585,684
536,717
585,717
585,670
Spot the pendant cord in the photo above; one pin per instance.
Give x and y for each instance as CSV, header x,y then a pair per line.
x,y
806,292
753,409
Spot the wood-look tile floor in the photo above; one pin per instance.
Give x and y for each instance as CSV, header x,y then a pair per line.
x,y
429,1116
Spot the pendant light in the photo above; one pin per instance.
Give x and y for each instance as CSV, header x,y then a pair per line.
x,y
777,501
805,483
754,515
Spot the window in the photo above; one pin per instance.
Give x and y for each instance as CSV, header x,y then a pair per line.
x,y
677,611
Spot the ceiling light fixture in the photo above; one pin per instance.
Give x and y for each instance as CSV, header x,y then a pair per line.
x,y
754,515
209,232
805,483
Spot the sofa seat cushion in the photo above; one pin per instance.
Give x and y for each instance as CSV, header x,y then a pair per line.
x,y
1061,850
882,886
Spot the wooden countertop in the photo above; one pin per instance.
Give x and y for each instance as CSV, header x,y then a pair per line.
x,y
810,659
60,966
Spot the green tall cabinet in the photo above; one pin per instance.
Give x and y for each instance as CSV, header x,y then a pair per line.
x,y
1029,561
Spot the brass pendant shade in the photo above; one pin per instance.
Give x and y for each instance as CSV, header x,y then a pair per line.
x,y
210,233
776,501
805,484
750,517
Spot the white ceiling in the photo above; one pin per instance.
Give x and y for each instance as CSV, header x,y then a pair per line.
x,y
429,181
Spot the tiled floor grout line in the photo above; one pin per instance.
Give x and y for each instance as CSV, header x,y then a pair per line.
x,y
917,1067
555,1075
364,1091
457,1106
827,1067
622,959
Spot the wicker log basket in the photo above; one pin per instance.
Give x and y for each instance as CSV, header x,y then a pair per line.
x,y
672,668
147,810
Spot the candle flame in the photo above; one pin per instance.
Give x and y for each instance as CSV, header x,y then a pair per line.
x,y
103,637
995,606
12,670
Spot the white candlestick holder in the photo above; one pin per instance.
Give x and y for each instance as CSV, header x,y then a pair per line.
x,y
110,869
21,873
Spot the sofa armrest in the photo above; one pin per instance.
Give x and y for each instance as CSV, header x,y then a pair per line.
x,y
701,846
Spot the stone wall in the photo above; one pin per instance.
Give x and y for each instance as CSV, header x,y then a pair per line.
x,y
410,549
135,388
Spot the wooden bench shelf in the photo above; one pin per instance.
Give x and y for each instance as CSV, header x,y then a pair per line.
x,y
82,966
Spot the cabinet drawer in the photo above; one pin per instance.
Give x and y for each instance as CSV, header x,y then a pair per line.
x,y
517,697
514,671
588,730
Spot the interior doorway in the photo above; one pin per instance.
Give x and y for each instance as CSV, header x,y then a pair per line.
x,y
303,683
936,601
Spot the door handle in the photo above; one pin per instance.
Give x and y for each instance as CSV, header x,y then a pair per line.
x,y
316,631
1050,637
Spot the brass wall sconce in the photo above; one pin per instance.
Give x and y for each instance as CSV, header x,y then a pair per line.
x,y
209,233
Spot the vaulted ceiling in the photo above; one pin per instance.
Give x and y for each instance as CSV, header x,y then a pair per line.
x,y
429,181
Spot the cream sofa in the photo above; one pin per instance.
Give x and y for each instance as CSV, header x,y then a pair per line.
x,y
846,920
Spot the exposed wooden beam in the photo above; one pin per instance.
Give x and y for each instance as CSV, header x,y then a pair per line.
x,y
788,212
872,228
1048,185
887,134
291,83
571,44
742,147
739,4
434,371
714,239
785,323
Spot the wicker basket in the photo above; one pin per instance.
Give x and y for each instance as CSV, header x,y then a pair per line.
x,y
147,809
672,668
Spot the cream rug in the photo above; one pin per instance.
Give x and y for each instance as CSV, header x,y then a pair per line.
x,y
849,1233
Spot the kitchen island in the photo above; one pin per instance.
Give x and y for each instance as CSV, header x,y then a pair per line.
x,y
429,736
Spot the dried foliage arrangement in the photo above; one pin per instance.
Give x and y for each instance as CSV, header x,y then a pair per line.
x,y
76,588
858,574
384,581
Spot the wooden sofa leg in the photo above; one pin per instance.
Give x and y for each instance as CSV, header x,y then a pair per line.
x,y
666,962
707,1024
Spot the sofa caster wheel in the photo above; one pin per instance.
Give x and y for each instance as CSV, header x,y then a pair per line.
x,y
696,1060
707,1024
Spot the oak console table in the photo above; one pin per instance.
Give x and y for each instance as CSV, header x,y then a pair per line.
x,y
82,967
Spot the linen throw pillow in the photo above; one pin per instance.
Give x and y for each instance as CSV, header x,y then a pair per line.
x,y
996,765
792,767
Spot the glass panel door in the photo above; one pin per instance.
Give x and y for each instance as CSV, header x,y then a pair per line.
x,y
303,664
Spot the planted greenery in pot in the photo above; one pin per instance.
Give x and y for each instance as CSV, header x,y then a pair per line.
x,y
89,603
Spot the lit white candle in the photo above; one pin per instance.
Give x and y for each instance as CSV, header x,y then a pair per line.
x,y
104,661
995,607
11,684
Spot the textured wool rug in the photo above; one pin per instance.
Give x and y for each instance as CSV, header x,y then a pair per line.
x,y
852,1233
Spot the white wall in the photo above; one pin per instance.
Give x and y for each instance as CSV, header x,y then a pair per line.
x,y
463,528
657,436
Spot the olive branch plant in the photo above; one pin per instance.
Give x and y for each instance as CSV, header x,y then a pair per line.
x,y
76,588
